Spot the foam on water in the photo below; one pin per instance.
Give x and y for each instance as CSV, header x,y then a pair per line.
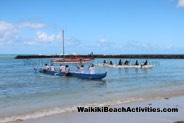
x,y
57,110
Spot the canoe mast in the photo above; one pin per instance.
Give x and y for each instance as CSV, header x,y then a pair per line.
x,y
63,45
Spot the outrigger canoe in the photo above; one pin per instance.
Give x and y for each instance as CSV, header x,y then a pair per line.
x,y
73,74
126,66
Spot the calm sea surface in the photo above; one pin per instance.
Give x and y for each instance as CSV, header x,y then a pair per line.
x,y
25,94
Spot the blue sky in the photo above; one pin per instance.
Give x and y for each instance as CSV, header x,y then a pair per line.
x,y
99,26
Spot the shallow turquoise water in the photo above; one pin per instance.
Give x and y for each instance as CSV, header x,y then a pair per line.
x,y
22,91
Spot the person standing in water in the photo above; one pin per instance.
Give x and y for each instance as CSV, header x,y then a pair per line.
x,y
67,70
92,69
44,70
62,68
52,67
46,67
82,69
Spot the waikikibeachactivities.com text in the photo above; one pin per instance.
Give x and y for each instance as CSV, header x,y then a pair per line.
x,y
125,109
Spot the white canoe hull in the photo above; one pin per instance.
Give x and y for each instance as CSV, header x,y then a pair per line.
x,y
126,66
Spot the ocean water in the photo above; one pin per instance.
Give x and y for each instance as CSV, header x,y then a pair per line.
x,y
25,94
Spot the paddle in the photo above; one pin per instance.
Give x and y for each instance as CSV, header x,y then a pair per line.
x,y
77,66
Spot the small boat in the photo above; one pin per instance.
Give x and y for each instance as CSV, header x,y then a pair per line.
x,y
96,76
72,60
126,66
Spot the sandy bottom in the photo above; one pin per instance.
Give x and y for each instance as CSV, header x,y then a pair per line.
x,y
122,117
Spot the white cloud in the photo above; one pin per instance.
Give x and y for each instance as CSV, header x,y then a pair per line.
x,y
72,41
168,46
103,42
31,25
30,42
138,45
142,47
11,32
42,36
8,32
181,3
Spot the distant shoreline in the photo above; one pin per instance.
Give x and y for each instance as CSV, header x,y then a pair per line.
x,y
143,56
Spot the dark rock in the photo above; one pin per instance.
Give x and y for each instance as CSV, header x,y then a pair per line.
x,y
144,56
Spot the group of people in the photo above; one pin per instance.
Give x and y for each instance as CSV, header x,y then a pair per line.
x,y
66,69
126,62
91,69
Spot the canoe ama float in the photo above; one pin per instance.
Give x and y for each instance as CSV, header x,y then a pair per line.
x,y
126,66
73,74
